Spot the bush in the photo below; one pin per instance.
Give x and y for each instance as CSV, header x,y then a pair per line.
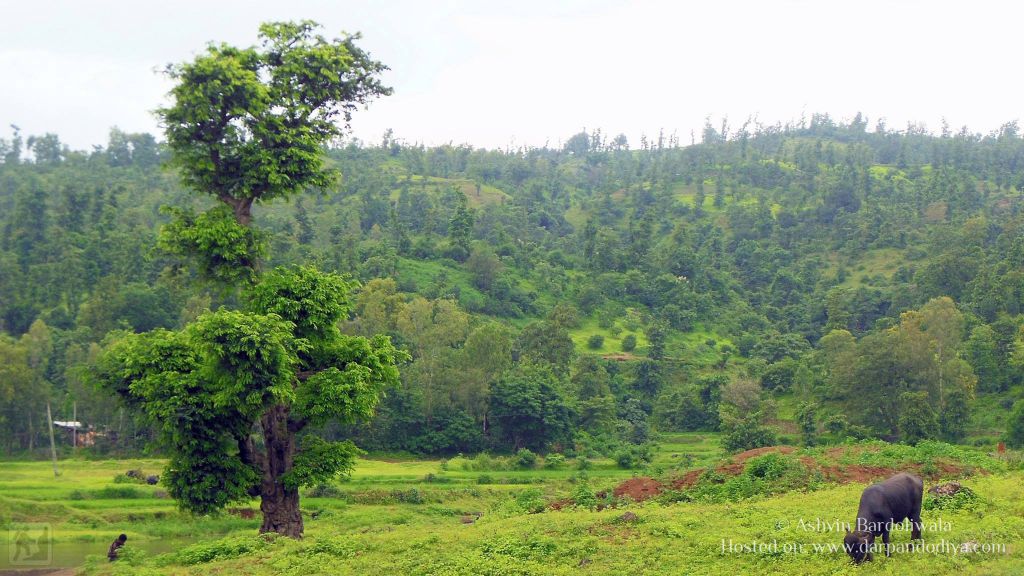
x,y
554,461
835,424
583,496
324,490
595,342
629,343
530,501
858,432
410,496
525,459
119,492
633,456
746,435
1015,426
223,549
482,462
770,466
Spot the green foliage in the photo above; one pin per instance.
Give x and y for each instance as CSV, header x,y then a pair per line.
x,y
526,459
955,416
223,549
595,342
822,227
629,343
526,548
807,420
250,122
583,496
312,300
746,435
320,461
917,420
631,456
119,492
1015,426
530,501
528,407
223,250
768,467
554,461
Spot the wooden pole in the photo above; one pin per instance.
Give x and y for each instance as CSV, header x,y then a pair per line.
x,y
74,430
53,445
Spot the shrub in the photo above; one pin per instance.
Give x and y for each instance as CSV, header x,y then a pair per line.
x,y
525,459
521,549
629,343
1015,426
748,434
835,424
223,549
119,492
858,432
633,456
530,501
583,496
770,466
595,342
554,461
410,496
324,490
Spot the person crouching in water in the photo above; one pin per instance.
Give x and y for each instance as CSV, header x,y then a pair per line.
x,y
115,546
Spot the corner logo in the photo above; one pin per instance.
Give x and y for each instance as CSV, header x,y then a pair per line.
x,y
30,545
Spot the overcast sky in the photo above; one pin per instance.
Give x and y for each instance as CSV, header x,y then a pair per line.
x,y
495,74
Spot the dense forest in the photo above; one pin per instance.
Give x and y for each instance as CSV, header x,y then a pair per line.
x,y
806,282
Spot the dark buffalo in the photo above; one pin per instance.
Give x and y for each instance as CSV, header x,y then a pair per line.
x,y
882,506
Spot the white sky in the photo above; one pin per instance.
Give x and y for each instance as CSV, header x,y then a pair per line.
x,y
528,72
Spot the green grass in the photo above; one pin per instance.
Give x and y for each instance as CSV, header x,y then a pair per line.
x,y
881,262
690,347
612,342
410,516
487,194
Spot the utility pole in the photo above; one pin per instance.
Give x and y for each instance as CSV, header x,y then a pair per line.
x,y
53,445
74,426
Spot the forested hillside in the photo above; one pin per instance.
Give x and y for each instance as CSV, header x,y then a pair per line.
x,y
811,281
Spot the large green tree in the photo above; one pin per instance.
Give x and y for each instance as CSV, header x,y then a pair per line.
x,y
236,393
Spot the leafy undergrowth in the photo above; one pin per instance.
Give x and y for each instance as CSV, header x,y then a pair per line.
x,y
799,532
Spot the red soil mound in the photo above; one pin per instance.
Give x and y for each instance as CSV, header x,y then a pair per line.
x,y
638,489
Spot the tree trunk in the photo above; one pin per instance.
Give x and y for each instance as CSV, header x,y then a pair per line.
x,y
279,504
31,434
53,445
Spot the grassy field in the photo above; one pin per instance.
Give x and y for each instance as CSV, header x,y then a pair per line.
x,y
449,517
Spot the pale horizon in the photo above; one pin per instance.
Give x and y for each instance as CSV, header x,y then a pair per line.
x,y
505,75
